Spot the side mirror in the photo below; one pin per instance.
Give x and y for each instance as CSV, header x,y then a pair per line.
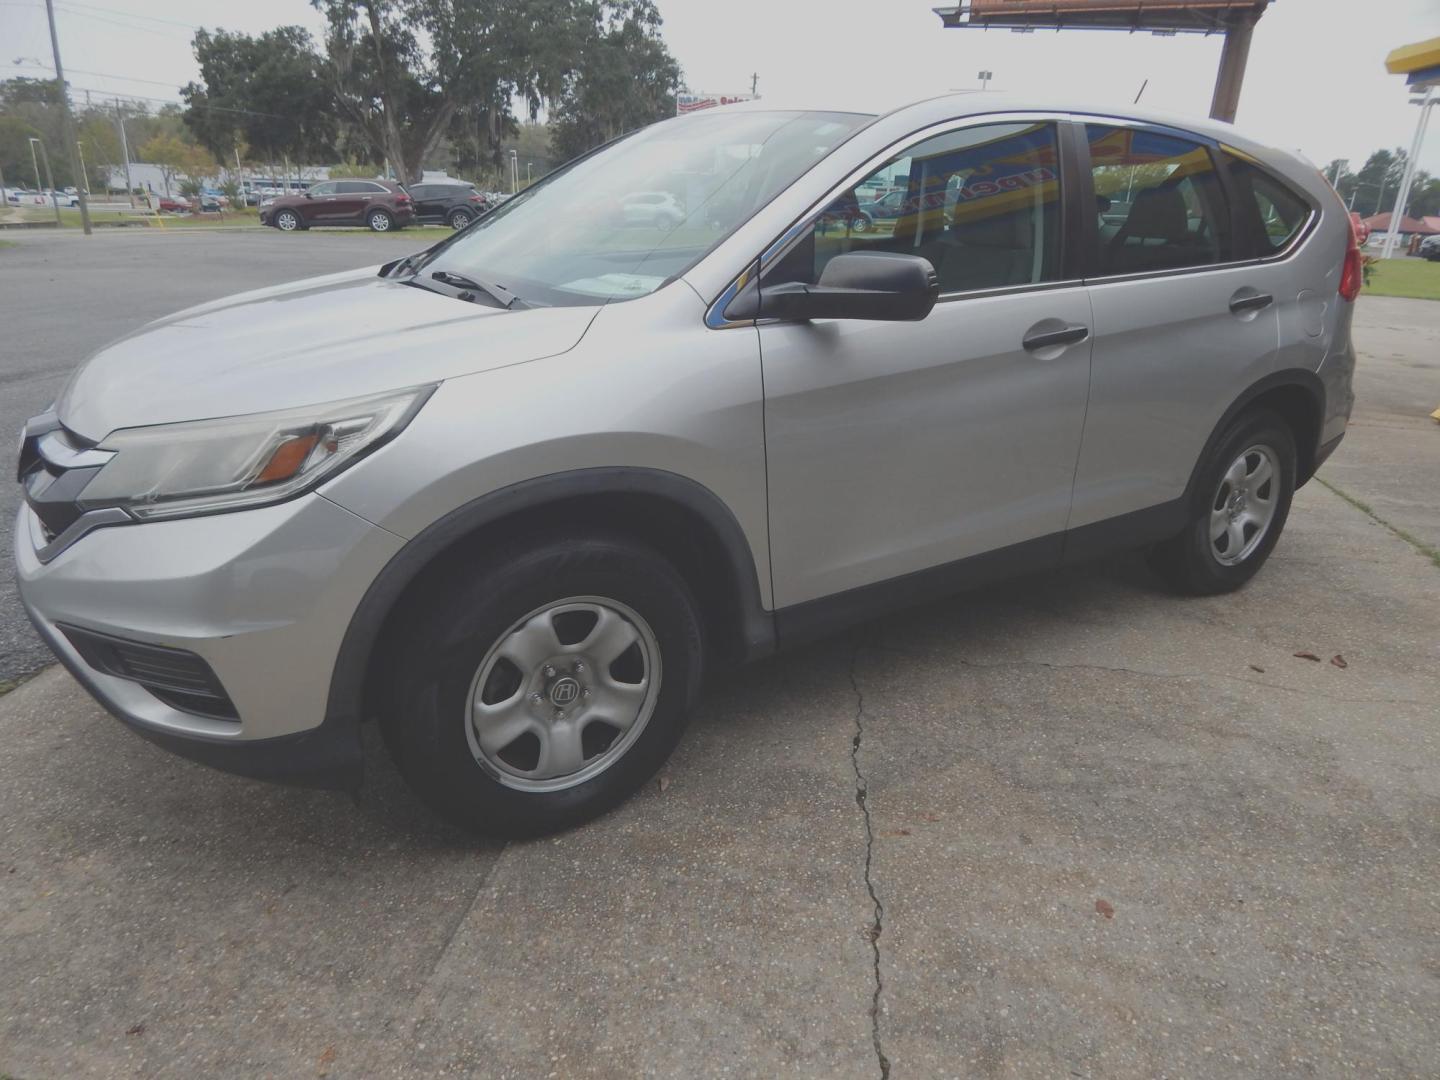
x,y
307,194
874,285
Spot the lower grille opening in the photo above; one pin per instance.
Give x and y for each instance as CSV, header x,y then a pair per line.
x,y
180,679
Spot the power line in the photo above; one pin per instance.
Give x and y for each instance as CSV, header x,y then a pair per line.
x,y
98,74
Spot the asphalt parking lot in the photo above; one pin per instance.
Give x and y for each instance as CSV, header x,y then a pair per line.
x,y
1072,826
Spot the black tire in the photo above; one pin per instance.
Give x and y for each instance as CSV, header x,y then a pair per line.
x,y
452,623
458,219
1190,562
380,220
289,215
861,223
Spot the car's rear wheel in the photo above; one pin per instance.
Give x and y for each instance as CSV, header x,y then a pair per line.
x,y
287,221
379,220
459,219
1249,480
540,691
860,223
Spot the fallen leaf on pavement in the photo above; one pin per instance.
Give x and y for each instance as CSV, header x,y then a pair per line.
x,y
1308,656
1104,907
138,1029
327,1056
1339,661
1257,667
663,784
898,832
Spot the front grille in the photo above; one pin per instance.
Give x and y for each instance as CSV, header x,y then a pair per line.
x,y
55,465
180,679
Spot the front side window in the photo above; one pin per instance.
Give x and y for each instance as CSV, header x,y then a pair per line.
x,y
569,240
1158,201
982,204
1270,214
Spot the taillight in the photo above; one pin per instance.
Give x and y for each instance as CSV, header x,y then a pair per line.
x,y
1352,270
477,198
402,198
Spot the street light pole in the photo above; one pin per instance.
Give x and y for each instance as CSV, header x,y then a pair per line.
x,y
67,124
34,164
1393,234
84,174
49,176
125,150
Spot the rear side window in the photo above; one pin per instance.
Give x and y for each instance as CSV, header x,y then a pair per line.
x,y
1158,202
1270,214
982,204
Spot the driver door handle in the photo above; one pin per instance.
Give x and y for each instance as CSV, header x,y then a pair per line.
x,y
1045,339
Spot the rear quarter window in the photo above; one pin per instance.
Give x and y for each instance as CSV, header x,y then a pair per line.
x,y
1271,213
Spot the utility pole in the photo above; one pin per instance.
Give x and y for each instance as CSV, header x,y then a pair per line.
x,y
83,174
125,149
755,85
67,123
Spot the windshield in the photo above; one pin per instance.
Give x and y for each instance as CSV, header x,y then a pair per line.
x,y
621,222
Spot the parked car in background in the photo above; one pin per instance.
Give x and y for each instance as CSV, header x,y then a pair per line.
x,y
1430,248
450,203
173,204
515,496
381,204
660,209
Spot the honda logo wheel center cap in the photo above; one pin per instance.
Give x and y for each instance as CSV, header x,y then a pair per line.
x,y
564,692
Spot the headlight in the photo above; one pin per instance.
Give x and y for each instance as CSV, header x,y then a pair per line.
x,y
174,470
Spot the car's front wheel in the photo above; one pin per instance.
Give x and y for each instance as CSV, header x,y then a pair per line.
x,y
459,219
1249,480
287,221
379,220
541,690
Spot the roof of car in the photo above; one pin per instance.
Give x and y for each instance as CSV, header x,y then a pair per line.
x,y
974,102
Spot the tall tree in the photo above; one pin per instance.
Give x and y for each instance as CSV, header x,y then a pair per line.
x,y
409,73
625,78
269,92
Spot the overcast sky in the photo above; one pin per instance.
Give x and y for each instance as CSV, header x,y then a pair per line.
x,y
1316,80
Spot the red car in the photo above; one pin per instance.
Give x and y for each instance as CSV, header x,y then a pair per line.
x,y
381,204
177,205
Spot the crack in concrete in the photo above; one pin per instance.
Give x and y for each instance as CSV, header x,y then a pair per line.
x,y
877,925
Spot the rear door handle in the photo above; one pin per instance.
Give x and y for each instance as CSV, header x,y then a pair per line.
x,y
1047,339
1250,301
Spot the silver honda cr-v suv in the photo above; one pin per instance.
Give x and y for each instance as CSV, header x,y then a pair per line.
x,y
513,496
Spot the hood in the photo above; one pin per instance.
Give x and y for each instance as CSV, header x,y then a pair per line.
x,y
305,343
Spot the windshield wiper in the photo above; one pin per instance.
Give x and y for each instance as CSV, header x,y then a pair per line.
x,y
501,295
410,262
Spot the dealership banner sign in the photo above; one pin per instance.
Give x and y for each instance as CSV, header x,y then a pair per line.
x,y
688,102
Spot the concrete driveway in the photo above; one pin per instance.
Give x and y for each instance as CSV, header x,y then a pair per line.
x,y
1068,827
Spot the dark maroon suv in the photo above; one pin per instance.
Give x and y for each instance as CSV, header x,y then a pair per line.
x,y
381,204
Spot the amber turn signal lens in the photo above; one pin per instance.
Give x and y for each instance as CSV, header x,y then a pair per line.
x,y
285,462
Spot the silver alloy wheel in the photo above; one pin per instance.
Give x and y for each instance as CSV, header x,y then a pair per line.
x,y
564,694
860,224
1244,505
459,219
286,221
379,221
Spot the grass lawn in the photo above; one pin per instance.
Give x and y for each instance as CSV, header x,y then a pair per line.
x,y
1415,278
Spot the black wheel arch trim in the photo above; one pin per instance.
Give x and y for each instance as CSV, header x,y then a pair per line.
x,y
1287,378
348,677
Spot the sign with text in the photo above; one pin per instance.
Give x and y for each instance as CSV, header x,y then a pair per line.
x,y
690,102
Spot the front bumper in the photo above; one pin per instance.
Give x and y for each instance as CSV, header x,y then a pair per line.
x,y
263,596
